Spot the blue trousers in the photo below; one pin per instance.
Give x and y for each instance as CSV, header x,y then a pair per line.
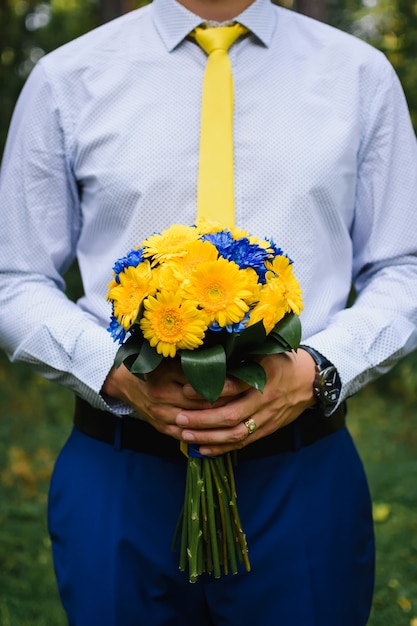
x,y
307,516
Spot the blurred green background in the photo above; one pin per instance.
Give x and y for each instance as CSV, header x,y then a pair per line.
x,y
36,415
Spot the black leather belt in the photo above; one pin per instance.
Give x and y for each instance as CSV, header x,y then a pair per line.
x,y
135,434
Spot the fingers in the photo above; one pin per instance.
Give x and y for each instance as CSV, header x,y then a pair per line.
x,y
219,430
220,442
237,438
227,415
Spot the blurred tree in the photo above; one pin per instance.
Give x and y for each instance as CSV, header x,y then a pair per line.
x,y
313,8
406,62
28,30
109,9
391,26
341,12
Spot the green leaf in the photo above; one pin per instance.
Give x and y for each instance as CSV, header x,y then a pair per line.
x,y
251,373
131,346
280,341
229,343
271,345
205,370
247,340
289,329
147,360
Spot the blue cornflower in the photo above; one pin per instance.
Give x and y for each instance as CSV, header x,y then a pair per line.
x,y
222,240
132,259
116,331
237,327
247,254
241,251
276,250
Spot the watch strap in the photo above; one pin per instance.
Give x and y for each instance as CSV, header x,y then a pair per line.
x,y
327,384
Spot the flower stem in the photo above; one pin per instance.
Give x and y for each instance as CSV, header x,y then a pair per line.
x,y
223,533
185,516
207,556
211,518
212,538
241,537
194,529
229,534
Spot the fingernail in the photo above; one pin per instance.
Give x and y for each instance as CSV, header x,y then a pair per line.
x,y
188,437
205,451
182,420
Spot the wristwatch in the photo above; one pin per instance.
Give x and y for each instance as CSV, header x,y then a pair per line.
x,y
327,384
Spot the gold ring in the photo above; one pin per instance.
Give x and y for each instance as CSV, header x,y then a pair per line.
x,y
250,425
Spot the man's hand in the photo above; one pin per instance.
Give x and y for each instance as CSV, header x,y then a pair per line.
x,y
160,398
288,392
172,406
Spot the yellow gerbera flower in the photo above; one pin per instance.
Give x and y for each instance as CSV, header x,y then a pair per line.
x,y
135,285
170,243
170,323
222,290
164,278
281,268
272,305
197,252
240,233
207,227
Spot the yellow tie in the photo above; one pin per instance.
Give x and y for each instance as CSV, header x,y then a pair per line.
x,y
215,196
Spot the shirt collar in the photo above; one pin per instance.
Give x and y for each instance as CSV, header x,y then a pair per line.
x,y
174,22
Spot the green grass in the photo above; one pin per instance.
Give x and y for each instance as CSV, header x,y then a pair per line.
x,y
36,418
383,423
35,421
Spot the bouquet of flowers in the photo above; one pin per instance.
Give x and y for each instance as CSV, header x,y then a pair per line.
x,y
216,299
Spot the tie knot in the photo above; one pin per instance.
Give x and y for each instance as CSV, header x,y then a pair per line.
x,y
217,38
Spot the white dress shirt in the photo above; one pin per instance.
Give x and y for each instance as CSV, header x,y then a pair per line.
x,y
103,151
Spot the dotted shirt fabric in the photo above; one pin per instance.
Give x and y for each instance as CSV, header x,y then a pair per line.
x,y
103,151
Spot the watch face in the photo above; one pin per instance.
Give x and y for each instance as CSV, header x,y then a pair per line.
x,y
327,384
329,388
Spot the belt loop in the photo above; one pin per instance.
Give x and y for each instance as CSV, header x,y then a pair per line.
x,y
118,434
